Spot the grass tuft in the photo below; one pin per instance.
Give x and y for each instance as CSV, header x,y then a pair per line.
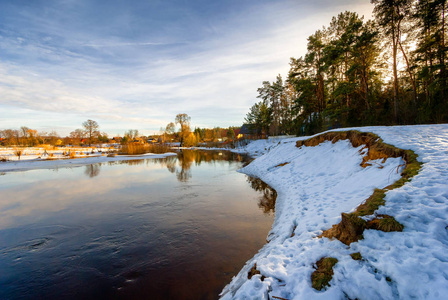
x,y
323,274
385,223
372,203
356,256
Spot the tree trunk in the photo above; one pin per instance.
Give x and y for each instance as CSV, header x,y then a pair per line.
x,y
395,72
411,76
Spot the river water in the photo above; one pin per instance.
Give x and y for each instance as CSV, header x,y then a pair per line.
x,y
174,228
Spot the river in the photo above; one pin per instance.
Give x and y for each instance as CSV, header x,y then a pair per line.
x,y
173,228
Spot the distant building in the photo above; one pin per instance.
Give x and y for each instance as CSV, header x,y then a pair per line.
x,y
249,131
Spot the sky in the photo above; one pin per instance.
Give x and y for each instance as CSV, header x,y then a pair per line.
x,y
137,64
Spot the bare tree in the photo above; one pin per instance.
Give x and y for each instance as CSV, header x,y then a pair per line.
x,y
91,128
77,135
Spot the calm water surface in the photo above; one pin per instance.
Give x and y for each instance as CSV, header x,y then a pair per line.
x,y
175,228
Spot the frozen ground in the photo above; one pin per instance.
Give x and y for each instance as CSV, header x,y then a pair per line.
x,y
319,183
34,158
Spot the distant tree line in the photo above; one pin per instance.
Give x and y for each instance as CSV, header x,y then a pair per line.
x,y
88,134
385,71
27,137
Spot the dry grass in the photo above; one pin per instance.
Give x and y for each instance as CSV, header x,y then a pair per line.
x,y
134,148
48,147
72,154
385,223
253,271
282,165
324,273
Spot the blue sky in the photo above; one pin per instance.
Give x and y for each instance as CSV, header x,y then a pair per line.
x,y
136,64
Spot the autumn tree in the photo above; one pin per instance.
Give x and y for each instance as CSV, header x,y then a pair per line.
x,y
184,121
77,135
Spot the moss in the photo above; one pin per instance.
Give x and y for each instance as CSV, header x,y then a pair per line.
x,y
356,256
385,223
372,203
323,274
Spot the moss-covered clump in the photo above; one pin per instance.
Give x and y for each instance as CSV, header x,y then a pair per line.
x,y
385,223
356,256
349,230
324,273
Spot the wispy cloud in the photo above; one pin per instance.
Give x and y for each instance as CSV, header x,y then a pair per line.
x,y
131,44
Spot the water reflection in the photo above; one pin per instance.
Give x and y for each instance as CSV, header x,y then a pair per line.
x,y
93,170
186,159
269,195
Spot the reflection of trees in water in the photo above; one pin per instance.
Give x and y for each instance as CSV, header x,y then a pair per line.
x,y
186,158
181,164
136,162
169,162
92,170
269,195
127,162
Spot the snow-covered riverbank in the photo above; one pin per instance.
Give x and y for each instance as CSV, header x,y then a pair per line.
x,y
316,184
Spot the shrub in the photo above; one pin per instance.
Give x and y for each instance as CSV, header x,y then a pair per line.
x,y
18,152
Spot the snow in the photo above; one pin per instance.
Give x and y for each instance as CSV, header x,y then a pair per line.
x,y
317,185
33,161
